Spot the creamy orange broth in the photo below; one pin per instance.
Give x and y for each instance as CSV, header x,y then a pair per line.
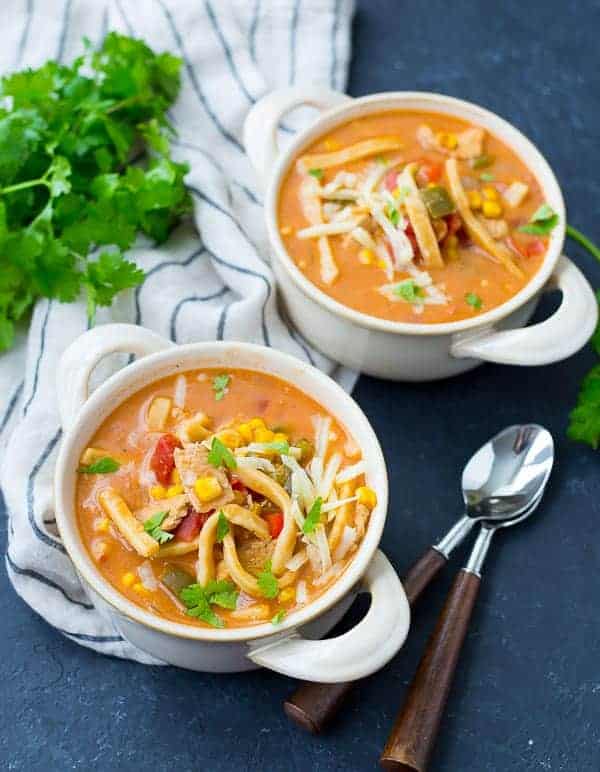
x,y
467,269
125,437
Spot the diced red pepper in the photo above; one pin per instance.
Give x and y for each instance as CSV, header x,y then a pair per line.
x,y
410,235
528,247
191,525
275,523
391,180
238,485
535,247
429,171
162,462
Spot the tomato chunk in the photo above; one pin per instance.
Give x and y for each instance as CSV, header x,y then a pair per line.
x,y
238,485
391,181
454,223
162,462
429,171
275,523
191,525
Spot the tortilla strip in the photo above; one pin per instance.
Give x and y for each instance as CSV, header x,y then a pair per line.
x,y
205,568
352,153
343,515
419,219
333,228
266,486
176,549
129,526
238,573
475,229
248,520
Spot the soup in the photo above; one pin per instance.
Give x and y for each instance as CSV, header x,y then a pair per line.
x,y
414,217
222,498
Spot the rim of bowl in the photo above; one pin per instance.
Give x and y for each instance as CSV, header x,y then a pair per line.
x,y
435,103
117,388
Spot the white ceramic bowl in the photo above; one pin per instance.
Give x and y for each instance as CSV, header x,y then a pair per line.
x,y
290,650
399,350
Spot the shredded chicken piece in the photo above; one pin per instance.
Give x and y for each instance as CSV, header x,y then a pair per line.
x,y
478,232
176,509
498,229
191,463
469,142
311,207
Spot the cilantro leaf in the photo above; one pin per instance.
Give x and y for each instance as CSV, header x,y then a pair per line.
x,y
105,465
222,526
409,291
313,518
474,300
316,173
584,419
199,599
107,276
220,455
152,526
279,617
220,385
267,581
393,215
542,221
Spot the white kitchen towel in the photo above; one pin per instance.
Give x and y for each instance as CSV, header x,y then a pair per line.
x,y
216,285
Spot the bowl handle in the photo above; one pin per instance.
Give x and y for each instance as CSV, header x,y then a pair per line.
x,y
82,356
560,336
260,126
361,651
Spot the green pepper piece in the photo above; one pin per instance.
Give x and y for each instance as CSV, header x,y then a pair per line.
x,y
482,161
176,578
438,201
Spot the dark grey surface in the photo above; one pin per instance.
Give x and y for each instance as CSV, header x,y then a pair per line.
x,y
527,693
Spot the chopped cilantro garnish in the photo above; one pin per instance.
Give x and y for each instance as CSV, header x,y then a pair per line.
x,y
220,455
278,618
153,526
393,215
542,221
313,518
220,385
267,581
104,465
487,177
222,526
474,300
409,291
316,173
199,599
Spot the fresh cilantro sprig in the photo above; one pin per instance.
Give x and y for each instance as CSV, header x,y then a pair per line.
x,y
409,291
152,526
105,465
220,385
267,581
199,600
220,455
71,199
313,518
542,221
222,526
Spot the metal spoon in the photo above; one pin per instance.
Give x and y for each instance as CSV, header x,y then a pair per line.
x,y
413,736
502,478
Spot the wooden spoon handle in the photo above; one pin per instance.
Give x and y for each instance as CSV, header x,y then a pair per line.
x,y
412,739
313,705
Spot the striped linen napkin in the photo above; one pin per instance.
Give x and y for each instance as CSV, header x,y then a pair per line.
x,y
217,286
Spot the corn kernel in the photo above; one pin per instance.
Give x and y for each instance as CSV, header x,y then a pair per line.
x,y
452,241
140,588
128,578
256,423
475,200
175,477
263,435
366,256
207,489
101,525
447,140
280,437
381,264
285,230
432,185
491,209
230,438
331,144
490,193
287,595
174,490
158,492
366,496
245,432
